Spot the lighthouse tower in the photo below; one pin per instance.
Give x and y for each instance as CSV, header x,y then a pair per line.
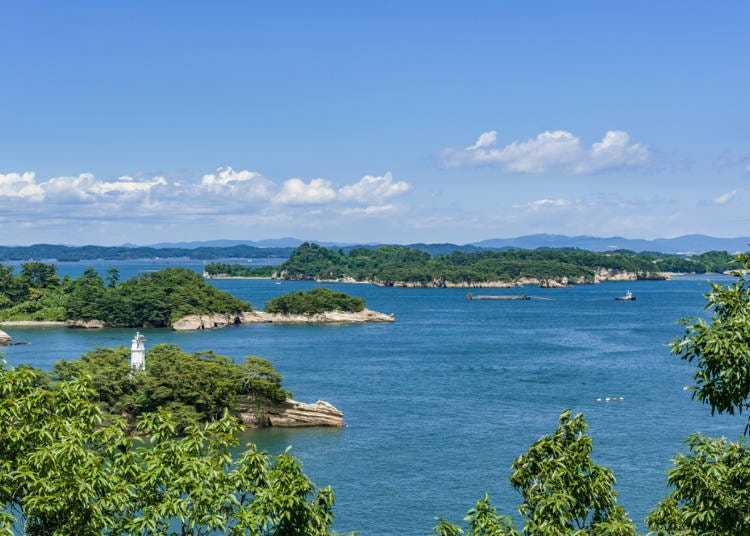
x,y
138,352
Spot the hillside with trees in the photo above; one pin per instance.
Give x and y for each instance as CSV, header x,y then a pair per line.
x,y
389,265
315,301
154,299
194,388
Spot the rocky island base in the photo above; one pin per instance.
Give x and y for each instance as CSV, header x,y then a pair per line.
x,y
213,321
292,414
5,339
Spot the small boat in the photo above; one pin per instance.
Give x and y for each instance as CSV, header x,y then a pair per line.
x,y
627,297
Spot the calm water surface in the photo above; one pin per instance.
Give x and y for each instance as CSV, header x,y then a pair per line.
x,y
439,403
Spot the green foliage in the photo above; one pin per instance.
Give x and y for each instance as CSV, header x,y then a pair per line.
x,y
482,520
63,472
261,382
195,387
711,484
389,265
315,301
721,347
564,492
154,299
711,490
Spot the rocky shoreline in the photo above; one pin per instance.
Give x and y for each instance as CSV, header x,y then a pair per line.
x,y
219,320
291,414
5,339
600,275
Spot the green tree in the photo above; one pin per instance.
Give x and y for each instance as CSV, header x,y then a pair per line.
x,y
711,483
563,491
113,276
721,347
62,472
261,384
314,301
195,388
86,298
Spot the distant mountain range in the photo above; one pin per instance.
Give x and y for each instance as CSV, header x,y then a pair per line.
x,y
694,243
283,247
286,242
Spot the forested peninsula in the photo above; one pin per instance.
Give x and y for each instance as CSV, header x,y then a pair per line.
x,y
174,297
154,299
402,266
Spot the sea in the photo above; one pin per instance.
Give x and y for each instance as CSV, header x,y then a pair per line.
x,y
440,402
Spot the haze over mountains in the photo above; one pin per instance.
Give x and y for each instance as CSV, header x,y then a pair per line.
x,y
694,243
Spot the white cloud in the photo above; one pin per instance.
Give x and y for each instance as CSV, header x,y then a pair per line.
x,y
227,195
20,185
541,203
372,210
247,183
725,198
87,188
297,192
485,139
551,151
372,189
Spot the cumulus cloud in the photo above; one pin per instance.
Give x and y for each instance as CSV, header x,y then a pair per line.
x,y
86,188
372,189
298,192
222,196
725,198
246,183
551,151
20,185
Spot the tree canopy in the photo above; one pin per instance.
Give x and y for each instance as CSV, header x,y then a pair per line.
x,y
315,301
195,388
154,299
65,469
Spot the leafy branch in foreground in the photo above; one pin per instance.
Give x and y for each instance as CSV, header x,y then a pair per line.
x,y
721,347
63,472
563,491
711,483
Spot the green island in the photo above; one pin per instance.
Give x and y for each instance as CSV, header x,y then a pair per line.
x,y
397,266
154,299
195,388
68,464
315,301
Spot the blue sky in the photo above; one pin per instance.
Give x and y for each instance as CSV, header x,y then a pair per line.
x,y
384,121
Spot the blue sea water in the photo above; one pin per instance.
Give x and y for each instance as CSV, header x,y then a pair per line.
x,y
439,403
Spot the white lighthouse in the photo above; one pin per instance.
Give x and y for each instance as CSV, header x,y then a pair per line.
x,y
138,352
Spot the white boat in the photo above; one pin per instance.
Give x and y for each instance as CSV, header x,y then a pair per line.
x,y
627,297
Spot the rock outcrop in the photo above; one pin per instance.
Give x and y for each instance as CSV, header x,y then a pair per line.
x,y
198,322
85,324
292,414
5,339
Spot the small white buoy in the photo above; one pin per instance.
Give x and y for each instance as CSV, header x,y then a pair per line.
x,y
598,399
607,399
